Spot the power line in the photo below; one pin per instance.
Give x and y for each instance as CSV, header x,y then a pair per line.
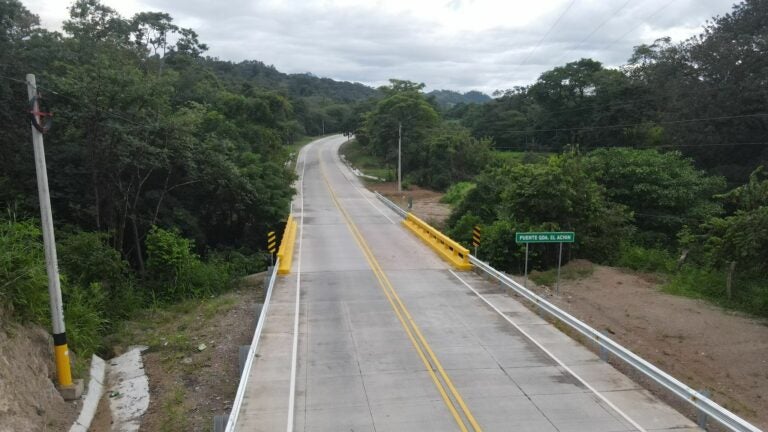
x,y
599,26
557,21
619,126
109,112
650,147
595,104
648,18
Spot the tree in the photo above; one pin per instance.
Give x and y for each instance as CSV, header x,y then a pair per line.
x,y
404,105
664,191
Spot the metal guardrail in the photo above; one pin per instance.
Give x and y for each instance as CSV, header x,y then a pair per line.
x,y
700,401
394,207
232,421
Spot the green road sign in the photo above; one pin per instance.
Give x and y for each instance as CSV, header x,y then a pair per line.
x,y
545,237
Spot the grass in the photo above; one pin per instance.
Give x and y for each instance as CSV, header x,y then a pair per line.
x,y
174,414
571,271
363,160
749,292
520,157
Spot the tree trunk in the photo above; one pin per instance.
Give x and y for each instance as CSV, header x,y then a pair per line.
x,y
137,244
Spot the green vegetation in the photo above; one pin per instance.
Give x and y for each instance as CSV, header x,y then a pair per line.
x,y
435,153
362,159
573,270
457,192
166,168
637,161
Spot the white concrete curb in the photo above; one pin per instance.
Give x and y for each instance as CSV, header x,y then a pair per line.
x,y
92,397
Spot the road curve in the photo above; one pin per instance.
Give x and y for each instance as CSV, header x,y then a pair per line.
x,y
371,331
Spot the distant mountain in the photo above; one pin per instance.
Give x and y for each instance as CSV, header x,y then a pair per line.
x,y
305,85
448,98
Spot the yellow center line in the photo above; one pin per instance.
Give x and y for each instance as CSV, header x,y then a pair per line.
x,y
405,319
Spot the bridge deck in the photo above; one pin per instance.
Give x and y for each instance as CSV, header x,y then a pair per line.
x,y
390,338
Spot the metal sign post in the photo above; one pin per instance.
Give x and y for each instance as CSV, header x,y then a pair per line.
x,y
545,237
476,237
526,265
559,261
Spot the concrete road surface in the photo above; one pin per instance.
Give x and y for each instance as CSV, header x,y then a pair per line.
x,y
389,338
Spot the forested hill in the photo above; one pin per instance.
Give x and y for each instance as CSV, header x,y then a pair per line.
x,y
449,98
166,168
295,85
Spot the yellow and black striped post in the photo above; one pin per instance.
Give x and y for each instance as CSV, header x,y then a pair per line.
x,y
476,237
271,242
271,246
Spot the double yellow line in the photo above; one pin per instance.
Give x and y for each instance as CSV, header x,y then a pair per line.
x,y
425,352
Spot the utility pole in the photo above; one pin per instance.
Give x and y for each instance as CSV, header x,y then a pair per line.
x,y
323,126
399,157
61,352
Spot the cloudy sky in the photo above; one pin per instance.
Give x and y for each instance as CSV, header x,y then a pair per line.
x,y
453,44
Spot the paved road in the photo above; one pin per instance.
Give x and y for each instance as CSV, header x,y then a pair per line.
x,y
389,338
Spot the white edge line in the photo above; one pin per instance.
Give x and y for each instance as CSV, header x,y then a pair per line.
x,y
337,160
294,356
557,360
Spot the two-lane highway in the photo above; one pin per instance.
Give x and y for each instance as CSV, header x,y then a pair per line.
x,y
371,331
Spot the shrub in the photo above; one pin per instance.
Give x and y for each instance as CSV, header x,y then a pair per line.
x,y
457,192
23,280
645,259
175,272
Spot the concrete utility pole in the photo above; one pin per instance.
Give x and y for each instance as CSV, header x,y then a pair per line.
x,y
399,157
61,352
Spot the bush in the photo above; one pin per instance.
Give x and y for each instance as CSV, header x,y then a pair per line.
x,y
457,192
87,259
23,279
645,259
175,272
86,317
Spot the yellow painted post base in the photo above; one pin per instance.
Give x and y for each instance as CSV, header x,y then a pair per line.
x,y
70,390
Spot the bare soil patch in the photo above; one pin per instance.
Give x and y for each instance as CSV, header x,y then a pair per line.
x,y
192,360
426,203
703,345
29,400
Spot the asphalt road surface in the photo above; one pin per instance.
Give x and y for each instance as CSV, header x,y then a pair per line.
x,y
389,338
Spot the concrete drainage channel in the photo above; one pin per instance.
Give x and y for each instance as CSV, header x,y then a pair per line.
x,y
128,391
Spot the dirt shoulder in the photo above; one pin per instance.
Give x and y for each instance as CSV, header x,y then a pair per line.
x,y
29,400
192,360
426,203
703,345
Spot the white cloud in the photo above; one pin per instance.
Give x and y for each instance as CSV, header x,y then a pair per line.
x,y
457,44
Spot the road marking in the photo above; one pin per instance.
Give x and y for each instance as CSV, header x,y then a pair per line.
x,y
407,321
547,352
292,394
359,190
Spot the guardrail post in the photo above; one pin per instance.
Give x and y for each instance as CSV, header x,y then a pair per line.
x,y
701,416
604,354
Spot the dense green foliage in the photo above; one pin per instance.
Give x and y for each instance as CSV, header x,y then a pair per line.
x,y
663,190
705,96
166,169
434,153
661,141
447,99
